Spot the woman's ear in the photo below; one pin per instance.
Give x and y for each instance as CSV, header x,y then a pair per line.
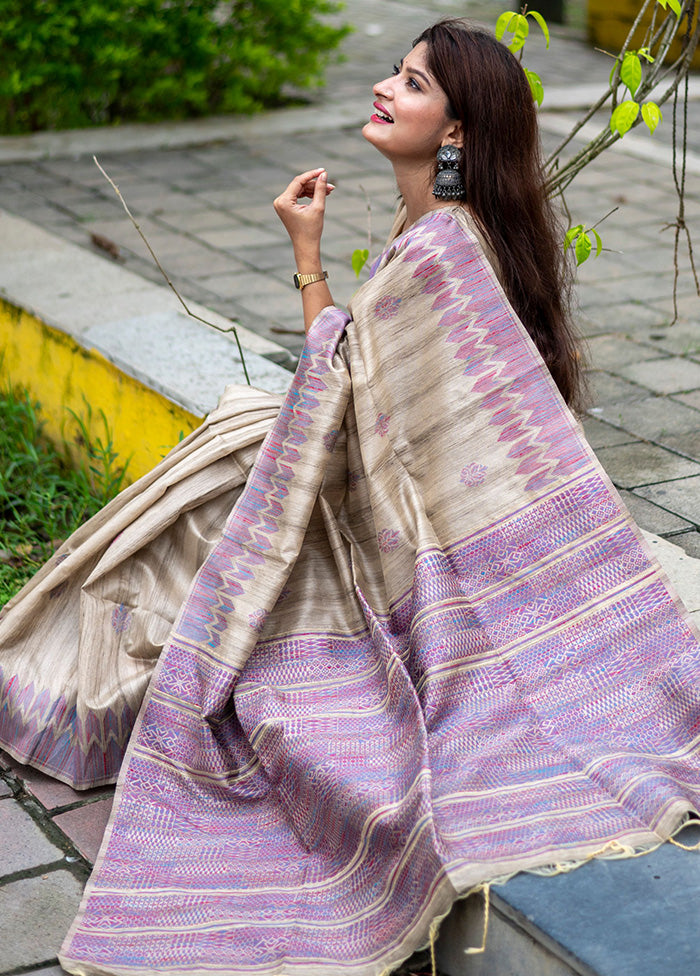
x,y
455,135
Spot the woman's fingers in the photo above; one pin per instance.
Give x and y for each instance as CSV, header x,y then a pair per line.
x,y
303,186
309,188
304,222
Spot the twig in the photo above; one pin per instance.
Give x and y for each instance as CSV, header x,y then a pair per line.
x,y
679,183
369,222
165,274
608,214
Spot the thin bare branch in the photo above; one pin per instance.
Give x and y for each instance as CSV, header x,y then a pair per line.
x,y
165,274
368,203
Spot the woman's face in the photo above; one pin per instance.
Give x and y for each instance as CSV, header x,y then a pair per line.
x,y
411,119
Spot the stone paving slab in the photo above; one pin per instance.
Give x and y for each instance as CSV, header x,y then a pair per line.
x,y
24,845
653,930
691,399
615,350
691,547
687,443
35,914
650,418
85,826
682,568
679,497
670,375
655,518
607,388
632,465
51,793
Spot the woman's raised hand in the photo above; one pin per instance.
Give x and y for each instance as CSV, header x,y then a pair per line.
x,y
304,222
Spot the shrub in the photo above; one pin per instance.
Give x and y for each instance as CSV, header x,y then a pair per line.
x,y
70,63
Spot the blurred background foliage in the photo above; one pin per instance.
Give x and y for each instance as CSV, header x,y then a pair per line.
x,y
73,63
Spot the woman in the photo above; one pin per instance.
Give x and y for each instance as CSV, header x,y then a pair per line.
x,y
426,650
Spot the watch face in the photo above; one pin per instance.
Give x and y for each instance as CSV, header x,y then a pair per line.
x,y
300,280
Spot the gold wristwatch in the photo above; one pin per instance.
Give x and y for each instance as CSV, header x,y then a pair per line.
x,y
302,280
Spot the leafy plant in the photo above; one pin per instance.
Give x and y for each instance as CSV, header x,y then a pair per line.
x,y
635,74
517,24
66,63
103,477
43,497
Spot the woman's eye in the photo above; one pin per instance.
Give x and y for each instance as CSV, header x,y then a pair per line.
x,y
414,84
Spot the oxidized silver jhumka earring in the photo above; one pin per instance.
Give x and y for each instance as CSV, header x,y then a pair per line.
x,y
449,184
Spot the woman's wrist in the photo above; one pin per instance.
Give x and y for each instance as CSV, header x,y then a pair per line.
x,y
308,260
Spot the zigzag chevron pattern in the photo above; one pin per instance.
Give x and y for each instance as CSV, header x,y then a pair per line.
x,y
87,752
254,522
489,339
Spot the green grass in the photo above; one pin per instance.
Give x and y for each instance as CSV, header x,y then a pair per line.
x,y
43,496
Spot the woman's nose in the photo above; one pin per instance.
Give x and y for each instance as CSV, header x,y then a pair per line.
x,y
382,89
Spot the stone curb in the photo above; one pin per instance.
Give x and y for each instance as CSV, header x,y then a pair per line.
x,y
81,333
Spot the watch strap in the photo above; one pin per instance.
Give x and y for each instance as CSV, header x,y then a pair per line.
x,y
302,280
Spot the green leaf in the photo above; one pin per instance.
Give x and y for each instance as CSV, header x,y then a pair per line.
x,y
359,259
579,237
522,29
624,117
631,71
535,85
504,22
643,52
571,233
542,22
651,113
673,4
582,250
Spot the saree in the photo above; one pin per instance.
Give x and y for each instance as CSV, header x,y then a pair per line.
x,y
427,649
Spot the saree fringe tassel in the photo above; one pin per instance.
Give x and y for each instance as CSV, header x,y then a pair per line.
x,y
357,654
685,847
434,928
476,950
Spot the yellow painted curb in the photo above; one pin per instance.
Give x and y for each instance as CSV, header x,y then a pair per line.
x,y
64,376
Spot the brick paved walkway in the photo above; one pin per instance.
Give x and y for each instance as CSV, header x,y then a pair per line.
x,y
206,210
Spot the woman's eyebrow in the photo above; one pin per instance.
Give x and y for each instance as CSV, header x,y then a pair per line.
x,y
415,71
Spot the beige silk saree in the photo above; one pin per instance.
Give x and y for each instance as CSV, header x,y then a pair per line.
x,y
411,644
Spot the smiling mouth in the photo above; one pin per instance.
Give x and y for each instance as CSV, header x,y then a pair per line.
x,y
381,115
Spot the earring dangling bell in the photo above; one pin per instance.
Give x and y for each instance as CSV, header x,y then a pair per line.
x,y
449,184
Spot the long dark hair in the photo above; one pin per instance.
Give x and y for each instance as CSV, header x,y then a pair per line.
x,y
488,92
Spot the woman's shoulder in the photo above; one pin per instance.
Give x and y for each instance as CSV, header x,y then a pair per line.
x,y
454,225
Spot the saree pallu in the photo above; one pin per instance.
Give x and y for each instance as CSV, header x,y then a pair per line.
x,y
428,650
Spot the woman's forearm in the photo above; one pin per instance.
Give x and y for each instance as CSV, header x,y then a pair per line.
x,y
305,225
317,295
